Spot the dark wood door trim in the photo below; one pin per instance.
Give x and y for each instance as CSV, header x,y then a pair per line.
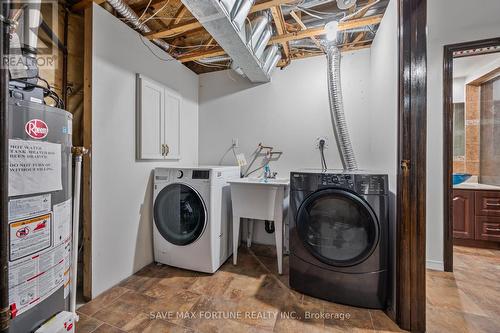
x,y
411,196
448,52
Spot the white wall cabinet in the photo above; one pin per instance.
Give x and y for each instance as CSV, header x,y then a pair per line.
x,y
158,121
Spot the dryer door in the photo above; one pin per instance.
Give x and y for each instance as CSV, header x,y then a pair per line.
x,y
338,227
180,214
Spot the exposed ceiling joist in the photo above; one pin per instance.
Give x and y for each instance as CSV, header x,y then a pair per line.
x,y
172,31
269,4
347,48
359,37
346,25
279,22
288,37
84,4
304,27
194,25
192,56
180,14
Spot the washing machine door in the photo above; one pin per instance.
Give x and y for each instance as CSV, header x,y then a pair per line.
x,y
338,227
180,214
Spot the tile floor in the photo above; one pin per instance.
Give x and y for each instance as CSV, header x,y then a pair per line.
x,y
162,299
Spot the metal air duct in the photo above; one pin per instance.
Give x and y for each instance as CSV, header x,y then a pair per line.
x,y
269,53
133,20
337,107
263,40
273,63
255,29
212,60
240,12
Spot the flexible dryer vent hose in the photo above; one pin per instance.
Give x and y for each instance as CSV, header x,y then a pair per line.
x,y
337,108
133,20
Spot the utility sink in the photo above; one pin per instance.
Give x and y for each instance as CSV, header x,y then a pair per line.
x,y
258,199
255,198
261,181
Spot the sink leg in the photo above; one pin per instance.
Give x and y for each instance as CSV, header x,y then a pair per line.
x,y
236,238
278,233
250,232
278,227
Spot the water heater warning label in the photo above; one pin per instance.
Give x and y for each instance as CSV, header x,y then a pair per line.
x,y
30,236
34,167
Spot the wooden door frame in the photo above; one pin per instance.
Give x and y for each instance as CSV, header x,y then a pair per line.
x,y
448,52
411,174
87,159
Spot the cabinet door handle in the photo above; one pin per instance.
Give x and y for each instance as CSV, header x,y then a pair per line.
x,y
493,204
167,149
493,229
162,150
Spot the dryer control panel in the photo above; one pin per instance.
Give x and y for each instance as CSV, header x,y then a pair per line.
x,y
371,184
340,180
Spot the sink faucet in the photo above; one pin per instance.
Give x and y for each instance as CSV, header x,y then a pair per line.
x,y
268,174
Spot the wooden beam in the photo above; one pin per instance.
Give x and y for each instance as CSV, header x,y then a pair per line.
x,y
87,159
360,22
304,27
359,37
279,22
304,55
195,24
352,24
180,14
178,29
81,5
192,56
269,4
219,51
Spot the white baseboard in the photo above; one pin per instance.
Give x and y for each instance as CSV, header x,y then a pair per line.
x,y
434,265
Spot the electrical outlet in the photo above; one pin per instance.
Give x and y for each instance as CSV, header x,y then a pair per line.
x,y
318,140
236,143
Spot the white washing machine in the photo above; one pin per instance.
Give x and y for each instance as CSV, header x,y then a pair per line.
x,y
192,217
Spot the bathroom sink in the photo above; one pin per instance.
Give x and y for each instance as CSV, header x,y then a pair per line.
x,y
459,178
255,198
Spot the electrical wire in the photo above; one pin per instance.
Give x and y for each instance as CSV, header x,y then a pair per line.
x,y
322,153
145,10
46,92
151,50
155,13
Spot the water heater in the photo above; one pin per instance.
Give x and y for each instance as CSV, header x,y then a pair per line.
x,y
40,211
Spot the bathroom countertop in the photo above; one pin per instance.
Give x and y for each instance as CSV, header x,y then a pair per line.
x,y
476,186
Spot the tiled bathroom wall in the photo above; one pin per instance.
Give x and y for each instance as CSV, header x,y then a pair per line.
x,y
469,163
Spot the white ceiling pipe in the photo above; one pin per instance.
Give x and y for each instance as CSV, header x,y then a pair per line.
x,y
133,20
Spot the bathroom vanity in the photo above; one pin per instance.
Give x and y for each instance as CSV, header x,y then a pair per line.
x,y
476,215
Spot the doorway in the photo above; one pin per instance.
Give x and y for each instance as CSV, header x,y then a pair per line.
x,y
471,148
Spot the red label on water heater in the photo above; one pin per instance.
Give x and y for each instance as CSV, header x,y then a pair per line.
x,y
36,128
